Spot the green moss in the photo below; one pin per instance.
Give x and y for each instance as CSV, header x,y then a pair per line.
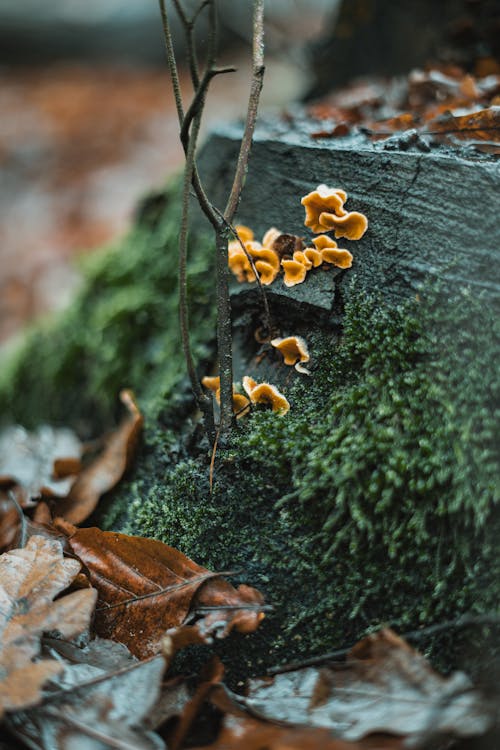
x,y
374,500
122,331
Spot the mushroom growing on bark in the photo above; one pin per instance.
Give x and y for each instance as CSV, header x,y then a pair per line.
x,y
265,393
331,252
294,351
325,212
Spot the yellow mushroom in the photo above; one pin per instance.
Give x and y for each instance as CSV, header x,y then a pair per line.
x,y
212,382
295,272
266,272
331,253
352,226
321,200
293,348
294,351
244,233
313,256
238,262
265,254
301,257
270,236
241,405
248,384
265,393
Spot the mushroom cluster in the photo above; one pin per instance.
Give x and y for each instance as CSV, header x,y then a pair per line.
x,y
258,393
279,251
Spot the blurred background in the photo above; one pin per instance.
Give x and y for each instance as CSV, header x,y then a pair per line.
x,y
88,124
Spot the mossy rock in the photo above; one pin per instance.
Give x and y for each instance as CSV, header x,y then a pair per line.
x,y
374,500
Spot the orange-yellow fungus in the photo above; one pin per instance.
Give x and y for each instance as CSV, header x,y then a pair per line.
x,y
321,200
295,272
293,348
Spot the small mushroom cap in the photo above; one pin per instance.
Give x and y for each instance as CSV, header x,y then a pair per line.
x,y
331,253
212,382
266,272
241,405
313,256
265,393
338,257
295,272
321,200
265,254
244,233
293,348
323,241
352,226
301,257
248,384
239,263
270,236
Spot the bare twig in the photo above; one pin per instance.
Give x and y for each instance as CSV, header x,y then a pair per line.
x,y
465,621
23,532
189,122
263,294
253,103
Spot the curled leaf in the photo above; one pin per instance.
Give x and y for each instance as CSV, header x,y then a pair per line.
x,y
105,471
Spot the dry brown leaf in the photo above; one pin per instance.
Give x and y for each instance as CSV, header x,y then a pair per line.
x,y
147,588
30,578
9,521
27,460
384,686
105,471
241,731
86,706
246,733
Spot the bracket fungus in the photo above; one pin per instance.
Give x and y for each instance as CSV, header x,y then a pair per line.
x,y
352,226
265,393
325,212
266,260
295,272
331,252
294,350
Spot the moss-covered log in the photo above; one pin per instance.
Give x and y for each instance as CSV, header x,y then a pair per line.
x,y
374,500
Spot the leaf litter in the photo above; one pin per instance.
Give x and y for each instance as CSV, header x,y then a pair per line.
x,y
87,669
30,579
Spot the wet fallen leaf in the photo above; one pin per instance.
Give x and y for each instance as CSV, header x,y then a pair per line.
x,y
147,588
30,578
384,686
105,471
480,128
27,460
88,707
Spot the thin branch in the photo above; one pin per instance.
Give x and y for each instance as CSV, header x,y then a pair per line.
x,y
253,103
212,462
465,621
199,98
22,520
224,334
172,64
233,231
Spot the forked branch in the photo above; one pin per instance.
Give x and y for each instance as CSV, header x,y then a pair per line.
x,y
189,123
